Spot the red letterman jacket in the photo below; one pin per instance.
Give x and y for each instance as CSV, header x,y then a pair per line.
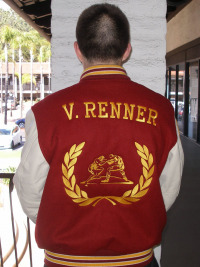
x,y
106,140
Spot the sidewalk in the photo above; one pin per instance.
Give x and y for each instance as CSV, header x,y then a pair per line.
x,y
16,113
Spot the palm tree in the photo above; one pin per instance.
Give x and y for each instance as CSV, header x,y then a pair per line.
x,y
1,87
26,78
1,67
13,47
2,58
45,53
30,47
6,35
31,57
20,42
32,39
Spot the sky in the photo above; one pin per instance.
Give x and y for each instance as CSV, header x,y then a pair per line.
x,y
3,5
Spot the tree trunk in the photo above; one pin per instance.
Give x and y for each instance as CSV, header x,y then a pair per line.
x,y
6,85
13,79
31,53
20,82
41,76
1,88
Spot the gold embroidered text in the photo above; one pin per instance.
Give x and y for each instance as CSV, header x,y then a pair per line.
x,y
112,110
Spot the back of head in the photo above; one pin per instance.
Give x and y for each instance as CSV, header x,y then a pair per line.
x,y
102,33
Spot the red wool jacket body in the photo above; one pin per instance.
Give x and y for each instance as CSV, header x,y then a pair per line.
x,y
106,141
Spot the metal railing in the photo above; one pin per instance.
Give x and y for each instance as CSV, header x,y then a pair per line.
x,y
15,231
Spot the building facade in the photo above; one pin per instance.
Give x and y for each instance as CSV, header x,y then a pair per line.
x,y
183,64
41,85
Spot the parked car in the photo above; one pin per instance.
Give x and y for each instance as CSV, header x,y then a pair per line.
x,y
10,136
21,123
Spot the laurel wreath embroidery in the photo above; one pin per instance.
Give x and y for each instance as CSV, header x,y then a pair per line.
x,y
81,198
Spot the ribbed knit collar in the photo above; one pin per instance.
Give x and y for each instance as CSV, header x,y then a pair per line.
x,y
103,70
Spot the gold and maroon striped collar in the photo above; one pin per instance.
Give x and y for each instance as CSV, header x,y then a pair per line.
x,y
103,70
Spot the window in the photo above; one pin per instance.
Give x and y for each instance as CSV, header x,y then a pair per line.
x,y
15,130
180,101
172,86
175,91
193,100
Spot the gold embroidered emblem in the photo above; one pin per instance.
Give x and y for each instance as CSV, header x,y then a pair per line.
x,y
96,168
109,171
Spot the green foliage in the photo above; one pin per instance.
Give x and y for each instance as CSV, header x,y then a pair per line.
x,y
6,181
17,75
17,35
13,20
9,170
7,34
26,78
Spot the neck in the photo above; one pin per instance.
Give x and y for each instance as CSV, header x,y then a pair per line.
x,y
87,64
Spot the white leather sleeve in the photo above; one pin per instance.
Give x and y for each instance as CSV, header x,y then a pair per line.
x,y
32,172
170,179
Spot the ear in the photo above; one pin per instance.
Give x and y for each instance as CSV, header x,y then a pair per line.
x,y
127,52
78,52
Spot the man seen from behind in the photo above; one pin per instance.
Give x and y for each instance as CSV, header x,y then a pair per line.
x,y
103,160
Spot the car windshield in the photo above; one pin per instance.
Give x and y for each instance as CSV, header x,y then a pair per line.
x,y
5,132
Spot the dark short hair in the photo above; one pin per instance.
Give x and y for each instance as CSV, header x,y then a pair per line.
x,y
102,32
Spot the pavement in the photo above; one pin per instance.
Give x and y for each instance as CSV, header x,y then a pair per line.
x,y
180,243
